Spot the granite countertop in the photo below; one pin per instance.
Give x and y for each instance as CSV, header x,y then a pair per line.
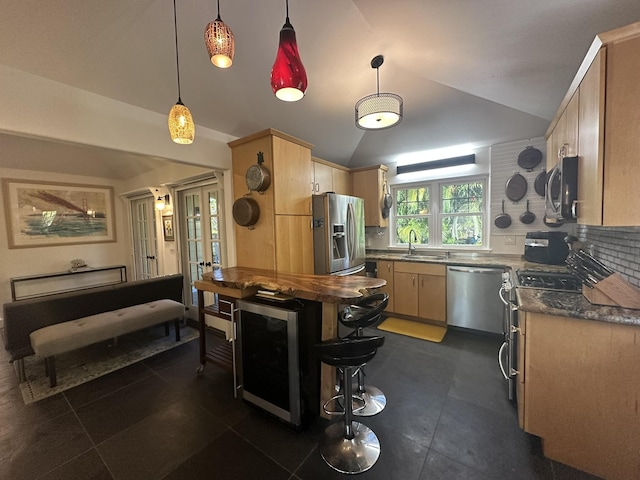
x,y
573,305
529,299
320,288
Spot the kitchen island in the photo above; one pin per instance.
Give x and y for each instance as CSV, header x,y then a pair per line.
x,y
330,290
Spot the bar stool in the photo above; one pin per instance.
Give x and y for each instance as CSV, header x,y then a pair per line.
x,y
348,446
365,313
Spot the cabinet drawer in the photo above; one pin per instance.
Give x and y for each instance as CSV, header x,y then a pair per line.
x,y
420,268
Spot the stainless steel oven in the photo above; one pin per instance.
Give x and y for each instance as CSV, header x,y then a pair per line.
x,y
507,356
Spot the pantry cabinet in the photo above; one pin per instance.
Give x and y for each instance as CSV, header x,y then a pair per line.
x,y
579,392
281,239
419,290
368,183
606,93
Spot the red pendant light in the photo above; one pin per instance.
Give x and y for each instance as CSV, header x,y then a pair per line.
x,y
288,77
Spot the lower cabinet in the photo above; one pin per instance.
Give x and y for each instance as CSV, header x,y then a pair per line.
x,y
419,290
385,271
580,387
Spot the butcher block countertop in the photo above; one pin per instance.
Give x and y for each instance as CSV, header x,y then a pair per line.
x,y
319,288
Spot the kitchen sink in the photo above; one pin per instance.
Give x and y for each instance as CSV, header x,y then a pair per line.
x,y
420,256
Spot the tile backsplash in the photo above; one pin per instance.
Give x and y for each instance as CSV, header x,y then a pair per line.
x,y
616,247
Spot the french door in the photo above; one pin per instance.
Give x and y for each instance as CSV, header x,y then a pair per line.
x,y
202,242
145,245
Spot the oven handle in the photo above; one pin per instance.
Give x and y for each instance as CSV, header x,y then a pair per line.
x,y
500,355
501,295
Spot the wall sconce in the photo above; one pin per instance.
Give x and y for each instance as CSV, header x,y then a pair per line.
x,y
162,202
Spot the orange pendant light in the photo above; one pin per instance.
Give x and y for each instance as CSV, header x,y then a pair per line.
x,y
181,125
220,43
288,76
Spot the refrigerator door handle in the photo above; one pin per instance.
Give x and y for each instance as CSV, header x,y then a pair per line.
x,y
351,233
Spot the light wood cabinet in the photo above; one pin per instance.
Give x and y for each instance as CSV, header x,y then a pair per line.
x,y
294,243
591,142
322,177
367,183
563,140
328,177
419,290
341,181
581,389
385,270
608,95
278,241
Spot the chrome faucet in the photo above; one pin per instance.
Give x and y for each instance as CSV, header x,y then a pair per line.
x,y
412,248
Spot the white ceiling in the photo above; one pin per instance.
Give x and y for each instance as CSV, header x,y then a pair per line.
x,y
481,72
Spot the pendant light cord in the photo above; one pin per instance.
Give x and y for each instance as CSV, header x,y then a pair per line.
x,y
218,11
287,21
175,29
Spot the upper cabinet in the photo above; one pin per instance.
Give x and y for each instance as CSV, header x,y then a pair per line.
x,y
328,177
604,99
368,183
563,141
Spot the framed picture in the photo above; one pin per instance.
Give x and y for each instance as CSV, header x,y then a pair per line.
x,y
45,214
167,228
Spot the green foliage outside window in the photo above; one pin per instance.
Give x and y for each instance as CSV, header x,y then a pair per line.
x,y
459,203
412,213
461,213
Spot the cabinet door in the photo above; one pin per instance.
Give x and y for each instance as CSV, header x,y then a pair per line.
x,y
432,298
385,271
294,244
622,141
367,184
341,181
405,293
582,394
571,127
291,177
591,142
322,178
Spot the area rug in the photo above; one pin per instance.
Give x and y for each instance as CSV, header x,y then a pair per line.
x,y
82,365
423,331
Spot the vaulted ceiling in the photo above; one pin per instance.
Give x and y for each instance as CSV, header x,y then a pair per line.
x,y
480,72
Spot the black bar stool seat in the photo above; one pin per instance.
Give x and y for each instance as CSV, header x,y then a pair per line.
x,y
349,446
366,312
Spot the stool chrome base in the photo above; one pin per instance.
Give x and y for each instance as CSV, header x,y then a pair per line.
x,y
349,456
374,401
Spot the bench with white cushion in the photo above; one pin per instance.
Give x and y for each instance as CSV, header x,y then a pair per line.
x,y
71,335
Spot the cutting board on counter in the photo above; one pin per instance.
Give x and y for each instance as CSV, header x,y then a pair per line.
x,y
615,291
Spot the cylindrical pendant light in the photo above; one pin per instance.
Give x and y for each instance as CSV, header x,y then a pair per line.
x,y
181,125
380,110
288,76
220,43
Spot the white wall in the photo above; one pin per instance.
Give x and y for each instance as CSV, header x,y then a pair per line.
x,y
32,261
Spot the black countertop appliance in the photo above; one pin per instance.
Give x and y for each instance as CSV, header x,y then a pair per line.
x,y
546,247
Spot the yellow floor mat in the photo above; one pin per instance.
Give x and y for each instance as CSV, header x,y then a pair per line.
x,y
423,331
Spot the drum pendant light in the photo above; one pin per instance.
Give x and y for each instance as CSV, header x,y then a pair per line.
x,y
220,43
380,110
288,77
181,124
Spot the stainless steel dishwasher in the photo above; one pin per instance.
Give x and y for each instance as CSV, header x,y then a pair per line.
x,y
472,298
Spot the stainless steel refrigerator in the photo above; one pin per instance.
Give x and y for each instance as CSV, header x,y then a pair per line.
x,y
338,234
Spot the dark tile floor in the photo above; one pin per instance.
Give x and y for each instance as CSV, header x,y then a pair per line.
x,y
447,418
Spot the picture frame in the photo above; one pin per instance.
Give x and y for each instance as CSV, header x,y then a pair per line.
x,y
46,214
167,228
